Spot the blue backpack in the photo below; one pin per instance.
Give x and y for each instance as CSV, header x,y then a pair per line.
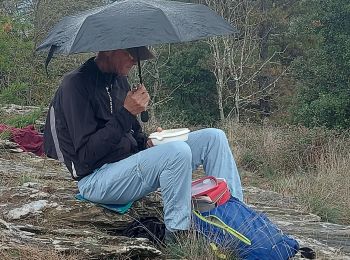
x,y
251,235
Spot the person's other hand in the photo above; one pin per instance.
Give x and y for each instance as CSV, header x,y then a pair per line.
x,y
149,141
137,100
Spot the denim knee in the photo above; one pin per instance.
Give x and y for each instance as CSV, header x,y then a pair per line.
x,y
216,133
179,151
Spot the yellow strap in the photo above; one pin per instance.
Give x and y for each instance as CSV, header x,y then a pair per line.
x,y
216,251
223,226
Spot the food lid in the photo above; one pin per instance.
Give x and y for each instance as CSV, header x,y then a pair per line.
x,y
169,133
203,185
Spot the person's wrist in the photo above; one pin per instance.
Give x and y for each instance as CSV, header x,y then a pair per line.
x,y
129,110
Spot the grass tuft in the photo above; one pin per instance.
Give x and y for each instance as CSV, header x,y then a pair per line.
x,y
20,121
310,164
196,247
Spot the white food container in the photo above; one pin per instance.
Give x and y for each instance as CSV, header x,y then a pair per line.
x,y
170,135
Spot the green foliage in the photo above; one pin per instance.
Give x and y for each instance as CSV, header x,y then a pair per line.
x,y
20,121
26,178
16,51
195,96
5,135
23,80
319,33
323,72
15,93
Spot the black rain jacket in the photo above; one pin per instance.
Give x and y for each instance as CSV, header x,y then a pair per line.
x,y
87,125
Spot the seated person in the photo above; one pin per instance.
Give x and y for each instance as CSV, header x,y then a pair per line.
x,y
92,127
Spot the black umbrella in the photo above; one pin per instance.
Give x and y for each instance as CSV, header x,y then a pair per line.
x,y
133,23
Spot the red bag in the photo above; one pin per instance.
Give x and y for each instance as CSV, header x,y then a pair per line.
x,y
209,192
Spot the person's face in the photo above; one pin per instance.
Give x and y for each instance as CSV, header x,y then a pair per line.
x,y
122,62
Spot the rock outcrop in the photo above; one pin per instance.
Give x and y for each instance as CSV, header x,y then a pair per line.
x,y
37,207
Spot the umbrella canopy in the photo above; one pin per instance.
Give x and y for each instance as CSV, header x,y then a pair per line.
x,y
133,23
130,24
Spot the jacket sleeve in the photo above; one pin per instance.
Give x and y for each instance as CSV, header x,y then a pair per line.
x,y
140,137
90,143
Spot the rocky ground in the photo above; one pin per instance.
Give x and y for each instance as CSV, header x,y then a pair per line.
x,y
38,208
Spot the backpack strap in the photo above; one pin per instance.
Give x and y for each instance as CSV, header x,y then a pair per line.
x,y
215,221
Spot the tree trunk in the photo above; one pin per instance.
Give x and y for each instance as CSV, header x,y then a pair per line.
x,y
263,78
219,85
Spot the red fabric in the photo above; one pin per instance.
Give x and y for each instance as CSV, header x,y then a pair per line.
x,y
27,138
218,193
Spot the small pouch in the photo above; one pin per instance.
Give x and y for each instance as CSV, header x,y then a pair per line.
x,y
209,192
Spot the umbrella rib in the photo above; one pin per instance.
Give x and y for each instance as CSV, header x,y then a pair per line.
x,y
159,22
172,26
156,8
161,11
75,37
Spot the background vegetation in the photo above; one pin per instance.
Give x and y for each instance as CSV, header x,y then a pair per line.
x,y
280,88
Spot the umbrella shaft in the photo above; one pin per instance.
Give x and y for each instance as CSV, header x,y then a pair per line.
x,y
144,114
140,75
139,65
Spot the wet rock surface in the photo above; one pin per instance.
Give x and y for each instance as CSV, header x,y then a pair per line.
x,y
37,207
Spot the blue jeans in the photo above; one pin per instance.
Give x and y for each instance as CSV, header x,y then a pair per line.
x,y
168,167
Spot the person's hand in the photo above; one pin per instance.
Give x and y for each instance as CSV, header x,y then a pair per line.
x,y
137,100
149,141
